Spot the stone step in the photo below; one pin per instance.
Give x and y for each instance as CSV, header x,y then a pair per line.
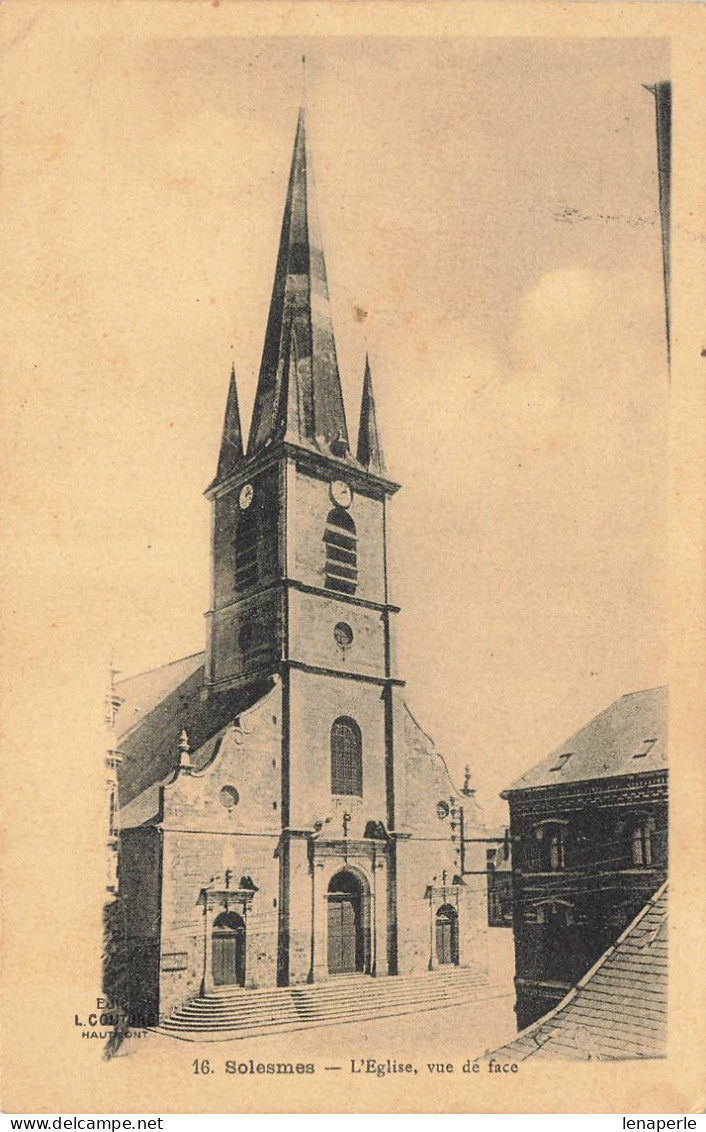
x,y
337,1015
243,1012
303,1001
322,995
225,1032
353,983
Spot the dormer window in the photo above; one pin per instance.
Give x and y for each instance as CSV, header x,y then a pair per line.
x,y
562,761
341,552
645,749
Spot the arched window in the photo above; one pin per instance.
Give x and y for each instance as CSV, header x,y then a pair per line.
x,y
549,850
346,757
246,550
341,552
641,841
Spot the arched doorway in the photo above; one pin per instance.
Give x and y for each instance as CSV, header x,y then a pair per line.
x,y
347,945
447,936
229,950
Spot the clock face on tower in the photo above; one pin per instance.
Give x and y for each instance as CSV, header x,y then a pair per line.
x,y
341,494
246,496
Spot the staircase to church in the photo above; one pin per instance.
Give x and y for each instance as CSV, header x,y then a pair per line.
x,y
231,1012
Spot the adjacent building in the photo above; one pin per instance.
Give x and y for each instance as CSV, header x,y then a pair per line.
x,y
618,1010
589,846
284,818
499,866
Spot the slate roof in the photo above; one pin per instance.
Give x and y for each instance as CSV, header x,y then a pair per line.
x,y
143,808
618,1011
629,737
141,694
157,705
299,394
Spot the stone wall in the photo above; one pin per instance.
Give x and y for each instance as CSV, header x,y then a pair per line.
x,y
312,620
308,505
316,701
190,862
222,824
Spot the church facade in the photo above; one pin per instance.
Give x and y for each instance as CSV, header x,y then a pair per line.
x,y
283,817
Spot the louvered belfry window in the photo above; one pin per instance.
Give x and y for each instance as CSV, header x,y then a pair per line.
x,y
346,757
341,552
246,551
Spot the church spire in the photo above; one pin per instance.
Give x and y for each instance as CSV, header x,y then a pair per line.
x,y
299,396
369,452
232,440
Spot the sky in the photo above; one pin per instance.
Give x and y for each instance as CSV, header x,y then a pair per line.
x,y
490,221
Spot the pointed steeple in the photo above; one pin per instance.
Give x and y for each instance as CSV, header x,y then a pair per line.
x,y
232,440
369,452
299,394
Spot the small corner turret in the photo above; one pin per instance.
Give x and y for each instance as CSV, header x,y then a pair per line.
x,y
369,451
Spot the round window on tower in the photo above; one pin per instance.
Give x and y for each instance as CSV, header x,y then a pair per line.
x,y
229,797
343,635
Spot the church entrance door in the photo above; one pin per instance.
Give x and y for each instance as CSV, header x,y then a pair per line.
x,y
346,949
446,936
229,950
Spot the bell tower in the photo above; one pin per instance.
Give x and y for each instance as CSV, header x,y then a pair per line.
x,y
299,564
300,590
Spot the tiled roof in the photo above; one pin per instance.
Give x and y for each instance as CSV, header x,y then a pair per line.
x,y
143,693
618,1010
629,737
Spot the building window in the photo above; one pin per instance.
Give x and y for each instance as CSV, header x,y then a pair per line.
x,y
341,552
589,833
343,635
550,847
229,797
641,842
255,635
112,822
246,550
555,849
559,953
346,757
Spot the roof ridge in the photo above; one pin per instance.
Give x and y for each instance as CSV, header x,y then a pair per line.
x,y
158,667
641,691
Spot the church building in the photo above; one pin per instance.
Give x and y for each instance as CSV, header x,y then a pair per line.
x,y
284,819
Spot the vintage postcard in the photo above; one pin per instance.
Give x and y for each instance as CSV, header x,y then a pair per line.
x,y
353,542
